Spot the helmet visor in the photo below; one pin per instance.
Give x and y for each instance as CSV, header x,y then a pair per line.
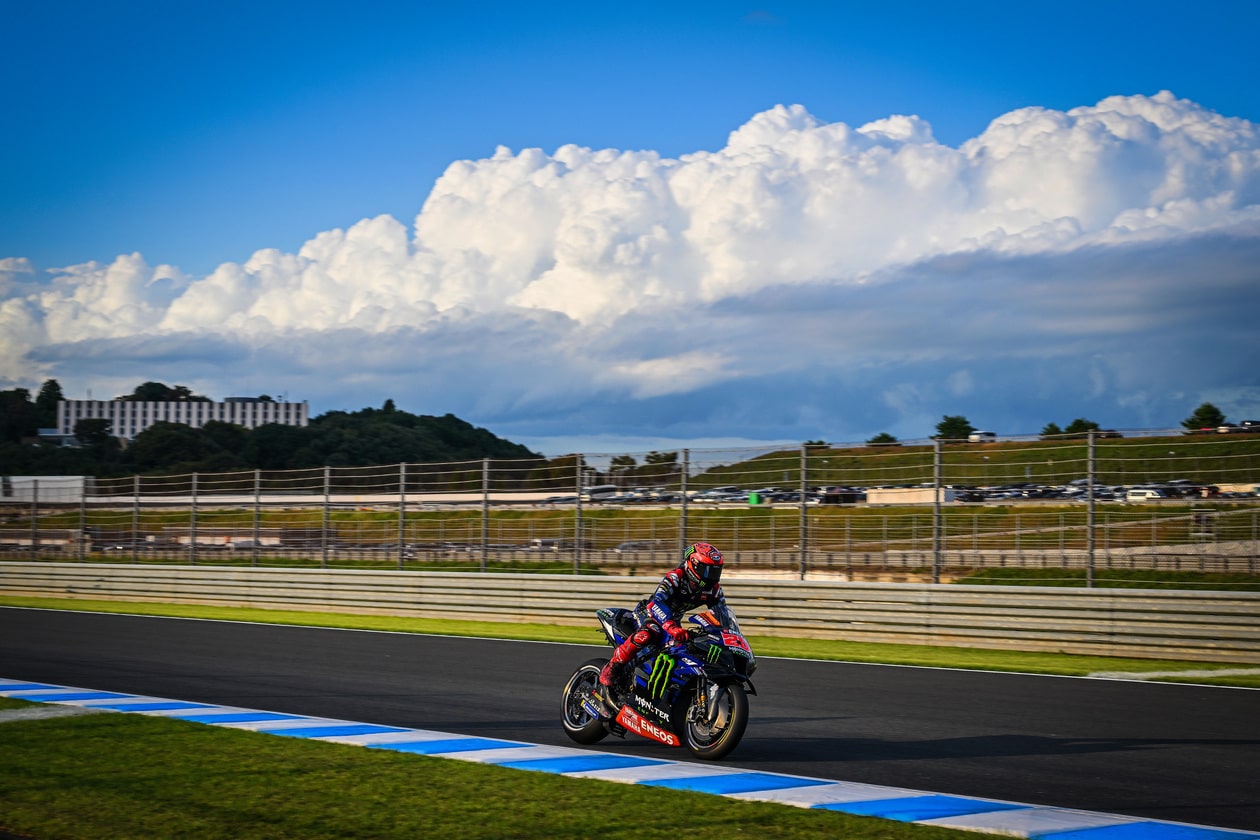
x,y
705,575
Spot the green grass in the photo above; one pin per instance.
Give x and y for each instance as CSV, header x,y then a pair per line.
x,y
133,777
766,646
1203,458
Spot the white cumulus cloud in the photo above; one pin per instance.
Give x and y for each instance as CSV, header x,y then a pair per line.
x,y
868,274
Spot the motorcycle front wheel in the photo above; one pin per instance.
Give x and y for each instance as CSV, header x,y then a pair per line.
x,y
711,730
579,724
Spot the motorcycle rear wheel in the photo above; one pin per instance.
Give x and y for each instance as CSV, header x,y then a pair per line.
x,y
579,724
715,736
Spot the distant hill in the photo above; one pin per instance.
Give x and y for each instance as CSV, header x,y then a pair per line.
x,y
362,438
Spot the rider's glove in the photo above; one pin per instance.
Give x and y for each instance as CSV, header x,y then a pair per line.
x,y
677,635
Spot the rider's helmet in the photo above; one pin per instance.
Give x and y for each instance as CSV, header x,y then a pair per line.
x,y
702,564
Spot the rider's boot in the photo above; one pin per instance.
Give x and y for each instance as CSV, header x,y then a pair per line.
x,y
612,673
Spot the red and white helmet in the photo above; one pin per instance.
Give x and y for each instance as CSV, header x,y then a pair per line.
x,y
702,564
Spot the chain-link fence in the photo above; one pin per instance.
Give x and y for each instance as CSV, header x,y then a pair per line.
x,y
926,509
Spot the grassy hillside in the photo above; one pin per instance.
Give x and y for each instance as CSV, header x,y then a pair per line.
x,y
1199,458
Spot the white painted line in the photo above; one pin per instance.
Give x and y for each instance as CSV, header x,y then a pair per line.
x,y
656,773
808,797
1033,821
411,736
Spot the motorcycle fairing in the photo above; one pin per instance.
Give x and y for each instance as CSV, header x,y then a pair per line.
x,y
618,624
640,725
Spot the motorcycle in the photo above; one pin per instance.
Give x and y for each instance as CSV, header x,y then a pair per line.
x,y
693,693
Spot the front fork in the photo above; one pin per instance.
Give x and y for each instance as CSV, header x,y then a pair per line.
x,y
704,708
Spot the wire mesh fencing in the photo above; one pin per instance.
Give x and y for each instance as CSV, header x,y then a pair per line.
x,y
927,510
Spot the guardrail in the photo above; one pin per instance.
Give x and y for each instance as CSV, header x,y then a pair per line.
x,y
1207,626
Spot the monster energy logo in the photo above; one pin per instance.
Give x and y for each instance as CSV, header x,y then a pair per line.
x,y
662,670
712,654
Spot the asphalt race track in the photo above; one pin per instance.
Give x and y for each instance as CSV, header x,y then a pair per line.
x,y
1160,751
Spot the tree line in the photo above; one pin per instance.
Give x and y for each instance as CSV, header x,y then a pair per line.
x,y
368,437
1206,417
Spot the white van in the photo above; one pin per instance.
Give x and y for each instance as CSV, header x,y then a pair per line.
x,y
982,437
1143,494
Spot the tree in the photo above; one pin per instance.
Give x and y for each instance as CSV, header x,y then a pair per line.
x,y
94,431
17,415
882,439
1081,427
149,392
170,446
1206,416
622,463
559,473
229,436
1051,430
274,446
658,467
181,393
158,392
954,427
46,404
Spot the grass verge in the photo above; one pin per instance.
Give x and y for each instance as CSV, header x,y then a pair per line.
x,y
129,776
133,777
772,646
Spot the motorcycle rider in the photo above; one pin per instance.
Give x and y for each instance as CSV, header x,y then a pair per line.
x,y
694,582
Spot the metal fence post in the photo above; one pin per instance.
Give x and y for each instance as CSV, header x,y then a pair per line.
x,y
485,512
579,532
682,516
83,525
192,524
34,520
577,512
848,546
402,514
323,537
257,516
1090,502
135,519
936,510
804,510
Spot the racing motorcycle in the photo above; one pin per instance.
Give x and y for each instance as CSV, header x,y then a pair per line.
x,y
693,693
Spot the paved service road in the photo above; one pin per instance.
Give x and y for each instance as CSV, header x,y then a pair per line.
x,y
1167,752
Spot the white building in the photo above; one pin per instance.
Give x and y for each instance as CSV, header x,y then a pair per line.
x,y
129,419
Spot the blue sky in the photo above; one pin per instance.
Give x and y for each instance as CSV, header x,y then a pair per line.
x,y
198,134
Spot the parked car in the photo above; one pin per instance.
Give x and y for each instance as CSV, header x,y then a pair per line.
x,y
1143,494
713,492
639,545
